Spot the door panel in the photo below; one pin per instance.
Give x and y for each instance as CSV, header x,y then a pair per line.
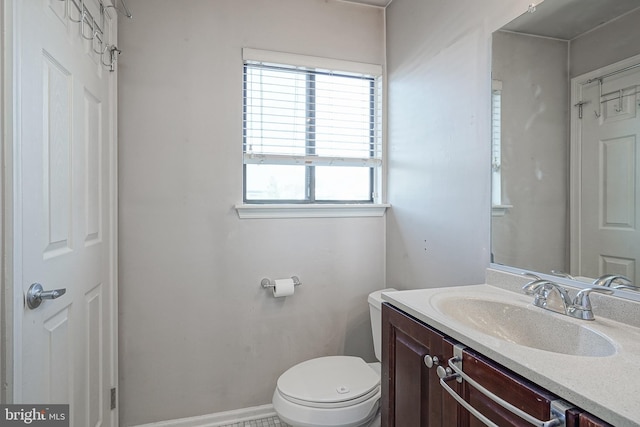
x,y
56,356
95,359
56,95
617,183
93,147
410,385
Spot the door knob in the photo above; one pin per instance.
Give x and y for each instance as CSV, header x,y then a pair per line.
x,y
36,294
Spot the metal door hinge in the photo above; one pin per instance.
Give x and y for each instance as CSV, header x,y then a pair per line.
x,y
559,410
458,349
113,398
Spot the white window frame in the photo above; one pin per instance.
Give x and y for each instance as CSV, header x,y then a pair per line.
x,y
498,208
314,209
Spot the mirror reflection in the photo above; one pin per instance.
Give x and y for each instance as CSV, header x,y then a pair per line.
x,y
565,126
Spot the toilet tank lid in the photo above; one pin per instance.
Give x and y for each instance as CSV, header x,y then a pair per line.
x,y
328,380
375,298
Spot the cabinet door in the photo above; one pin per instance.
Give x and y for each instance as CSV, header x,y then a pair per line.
x,y
578,418
506,385
411,393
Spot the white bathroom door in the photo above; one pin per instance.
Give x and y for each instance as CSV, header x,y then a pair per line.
x,y
64,212
609,214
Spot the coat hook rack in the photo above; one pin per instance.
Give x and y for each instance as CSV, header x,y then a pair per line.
x,y
121,10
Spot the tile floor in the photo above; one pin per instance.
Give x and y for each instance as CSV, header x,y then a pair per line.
x,y
263,422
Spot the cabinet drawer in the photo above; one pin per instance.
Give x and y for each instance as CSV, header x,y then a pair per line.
x,y
508,386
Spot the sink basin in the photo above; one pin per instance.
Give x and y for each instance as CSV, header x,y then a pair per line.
x,y
527,326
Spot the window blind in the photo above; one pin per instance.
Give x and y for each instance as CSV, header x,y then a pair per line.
x,y
496,137
301,110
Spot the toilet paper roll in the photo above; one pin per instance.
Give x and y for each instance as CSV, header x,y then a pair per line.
x,y
283,288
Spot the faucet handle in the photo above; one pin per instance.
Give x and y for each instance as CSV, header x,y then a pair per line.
x,y
623,287
532,275
621,280
581,307
541,290
582,299
535,286
561,273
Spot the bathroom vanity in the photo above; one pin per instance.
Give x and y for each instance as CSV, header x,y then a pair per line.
x,y
423,334
413,396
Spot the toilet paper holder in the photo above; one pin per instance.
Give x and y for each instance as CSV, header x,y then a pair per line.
x,y
266,283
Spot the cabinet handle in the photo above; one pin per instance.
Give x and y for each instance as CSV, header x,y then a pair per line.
x,y
463,402
443,372
458,373
431,361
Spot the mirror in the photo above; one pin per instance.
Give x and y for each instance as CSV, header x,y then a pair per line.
x,y
547,68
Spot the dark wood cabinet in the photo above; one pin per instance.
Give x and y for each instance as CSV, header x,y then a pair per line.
x,y
588,420
412,395
578,418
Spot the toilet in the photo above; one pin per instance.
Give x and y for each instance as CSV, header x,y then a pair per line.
x,y
334,391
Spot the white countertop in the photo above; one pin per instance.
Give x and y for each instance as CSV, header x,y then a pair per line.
x,y
608,387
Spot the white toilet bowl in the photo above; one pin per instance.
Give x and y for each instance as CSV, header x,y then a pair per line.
x,y
333,391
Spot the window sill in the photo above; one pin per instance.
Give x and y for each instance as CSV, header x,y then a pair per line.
x,y
248,211
500,210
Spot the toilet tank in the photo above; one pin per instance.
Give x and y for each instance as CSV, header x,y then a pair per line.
x,y
375,311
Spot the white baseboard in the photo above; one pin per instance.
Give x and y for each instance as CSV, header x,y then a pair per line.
x,y
218,419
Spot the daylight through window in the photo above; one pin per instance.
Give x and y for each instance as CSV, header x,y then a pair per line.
x,y
310,134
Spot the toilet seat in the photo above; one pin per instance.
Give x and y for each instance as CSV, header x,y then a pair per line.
x,y
332,391
329,382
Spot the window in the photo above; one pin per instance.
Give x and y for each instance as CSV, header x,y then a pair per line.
x,y
311,129
496,136
498,208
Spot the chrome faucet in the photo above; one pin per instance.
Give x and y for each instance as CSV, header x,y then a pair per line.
x,y
608,280
579,308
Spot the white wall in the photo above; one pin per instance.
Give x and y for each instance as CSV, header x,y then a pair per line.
x,y
606,45
197,333
439,80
